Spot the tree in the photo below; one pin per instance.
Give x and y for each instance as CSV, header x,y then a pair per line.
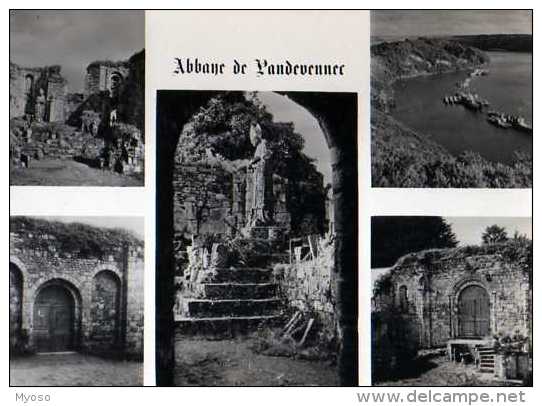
x,y
395,236
494,234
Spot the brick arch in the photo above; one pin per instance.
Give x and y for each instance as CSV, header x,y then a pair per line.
x,y
20,265
107,267
456,289
336,114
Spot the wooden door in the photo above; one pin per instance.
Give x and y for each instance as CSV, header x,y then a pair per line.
x,y
54,320
474,312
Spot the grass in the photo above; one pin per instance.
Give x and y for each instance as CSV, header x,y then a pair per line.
x,y
55,172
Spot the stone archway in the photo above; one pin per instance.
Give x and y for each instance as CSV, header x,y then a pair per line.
x,y
56,317
336,114
116,80
15,305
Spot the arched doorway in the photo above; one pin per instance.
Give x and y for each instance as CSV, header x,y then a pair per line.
x,y
473,312
54,319
15,304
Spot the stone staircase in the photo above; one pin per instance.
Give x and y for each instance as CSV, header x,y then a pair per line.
x,y
487,359
234,301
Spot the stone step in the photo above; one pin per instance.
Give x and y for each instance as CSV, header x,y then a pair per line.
x,y
202,308
243,275
224,327
487,370
240,290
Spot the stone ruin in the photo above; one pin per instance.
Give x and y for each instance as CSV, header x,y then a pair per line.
x,y
250,277
102,295
43,114
465,297
39,94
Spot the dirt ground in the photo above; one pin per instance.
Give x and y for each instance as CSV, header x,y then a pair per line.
x,y
67,173
73,370
201,362
438,371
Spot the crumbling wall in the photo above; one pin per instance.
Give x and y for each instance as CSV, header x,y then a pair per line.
x,y
104,291
307,283
100,76
202,198
26,85
434,279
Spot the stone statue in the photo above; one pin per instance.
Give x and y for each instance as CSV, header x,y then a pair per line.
x,y
40,106
261,191
113,118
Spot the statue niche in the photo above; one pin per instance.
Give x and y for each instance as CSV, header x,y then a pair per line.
x,y
40,106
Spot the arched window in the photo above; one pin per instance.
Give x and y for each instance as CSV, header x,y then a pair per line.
x,y
28,84
403,299
105,307
116,81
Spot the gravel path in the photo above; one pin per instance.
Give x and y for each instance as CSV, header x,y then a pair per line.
x,y
73,370
201,362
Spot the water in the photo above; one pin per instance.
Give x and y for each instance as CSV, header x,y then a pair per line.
x,y
508,88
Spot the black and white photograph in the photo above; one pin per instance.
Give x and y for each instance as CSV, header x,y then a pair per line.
x,y
76,97
452,301
76,301
256,269
451,98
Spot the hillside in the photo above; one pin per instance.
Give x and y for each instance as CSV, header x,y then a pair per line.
x,y
400,157
497,42
391,61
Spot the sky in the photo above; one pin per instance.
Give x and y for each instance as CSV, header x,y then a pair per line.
x,y
449,22
468,231
73,39
133,224
285,110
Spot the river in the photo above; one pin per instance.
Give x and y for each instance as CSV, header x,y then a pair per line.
x,y
508,88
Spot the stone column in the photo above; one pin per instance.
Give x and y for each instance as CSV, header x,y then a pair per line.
x,y
493,312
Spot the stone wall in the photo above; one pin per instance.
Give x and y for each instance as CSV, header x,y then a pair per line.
x,y
25,85
100,76
427,286
307,283
134,307
202,198
107,292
